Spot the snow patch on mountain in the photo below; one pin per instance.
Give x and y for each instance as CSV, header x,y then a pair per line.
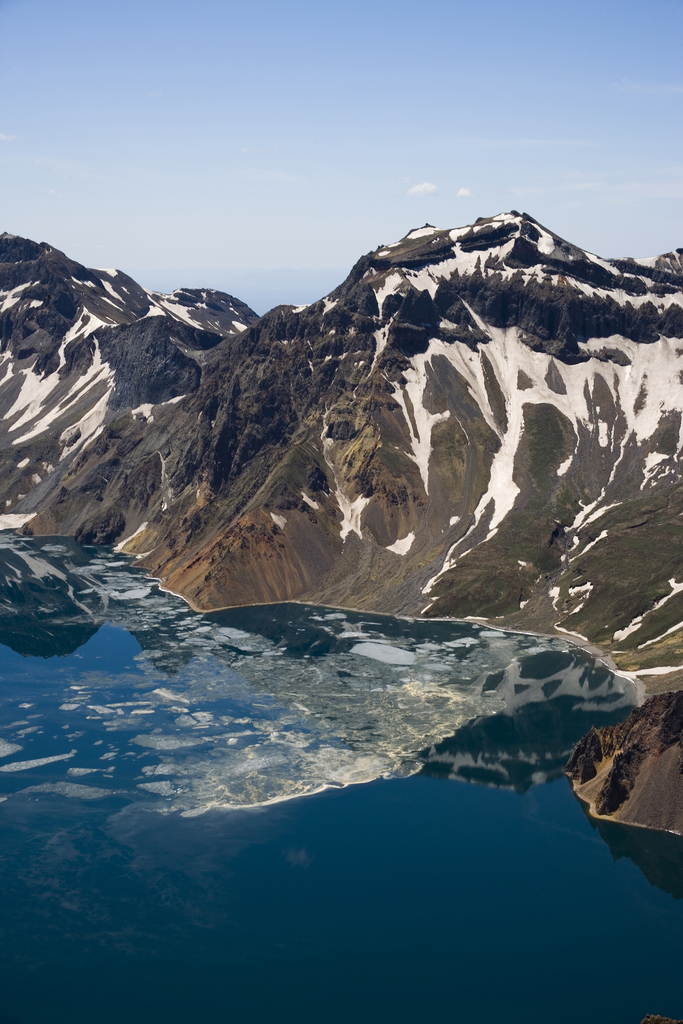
x,y
657,366
35,392
14,522
422,232
402,546
90,424
391,284
11,298
350,508
422,422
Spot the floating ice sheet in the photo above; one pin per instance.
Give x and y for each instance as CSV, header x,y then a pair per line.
x,y
255,705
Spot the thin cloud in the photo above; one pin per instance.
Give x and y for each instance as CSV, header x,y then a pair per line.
x,y
463,193
52,192
6,138
159,92
651,88
425,188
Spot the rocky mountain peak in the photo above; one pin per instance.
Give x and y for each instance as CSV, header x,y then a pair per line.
x,y
78,344
510,271
485,420
14,249
35,276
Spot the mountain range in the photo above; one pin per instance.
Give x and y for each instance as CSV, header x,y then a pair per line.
x,y
484,421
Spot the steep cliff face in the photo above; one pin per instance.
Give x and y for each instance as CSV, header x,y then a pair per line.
x,y
633,772
485,421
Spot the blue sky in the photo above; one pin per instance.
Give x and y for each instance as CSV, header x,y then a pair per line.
x,y
171,138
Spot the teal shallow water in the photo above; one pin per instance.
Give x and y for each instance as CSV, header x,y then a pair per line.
x,y
298,813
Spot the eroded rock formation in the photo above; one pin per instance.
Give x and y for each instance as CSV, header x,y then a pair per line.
x,y
633,772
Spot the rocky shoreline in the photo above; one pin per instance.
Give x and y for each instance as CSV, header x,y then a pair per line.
x,y
633,772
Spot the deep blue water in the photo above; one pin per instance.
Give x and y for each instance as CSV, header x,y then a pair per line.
x,y
435,861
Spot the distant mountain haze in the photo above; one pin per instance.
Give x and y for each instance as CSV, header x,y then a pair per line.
x,y
261,288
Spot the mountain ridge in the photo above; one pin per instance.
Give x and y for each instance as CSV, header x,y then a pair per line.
x,y
475,422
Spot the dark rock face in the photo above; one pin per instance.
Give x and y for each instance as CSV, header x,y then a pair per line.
x,y
53,310
633,772
149,363
104,530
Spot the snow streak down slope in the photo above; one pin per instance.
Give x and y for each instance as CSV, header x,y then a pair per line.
x,y
481,421
77,346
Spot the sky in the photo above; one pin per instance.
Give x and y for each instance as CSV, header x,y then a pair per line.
x,y
267,145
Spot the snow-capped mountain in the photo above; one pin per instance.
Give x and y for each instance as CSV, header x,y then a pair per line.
x,y
482,421
78,346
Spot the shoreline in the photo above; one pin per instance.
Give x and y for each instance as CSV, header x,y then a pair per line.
x,y
581,643
592,650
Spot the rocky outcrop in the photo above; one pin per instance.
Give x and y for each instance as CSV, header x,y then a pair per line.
x,y
481,421
654,1018
633,772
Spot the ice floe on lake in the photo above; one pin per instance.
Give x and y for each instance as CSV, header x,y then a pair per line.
x,y
248,707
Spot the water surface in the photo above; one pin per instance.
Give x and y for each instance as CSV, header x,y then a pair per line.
x,y
298,813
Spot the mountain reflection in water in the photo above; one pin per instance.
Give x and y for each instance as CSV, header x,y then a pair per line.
x,y
151,848
255,705
659,855
549,704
